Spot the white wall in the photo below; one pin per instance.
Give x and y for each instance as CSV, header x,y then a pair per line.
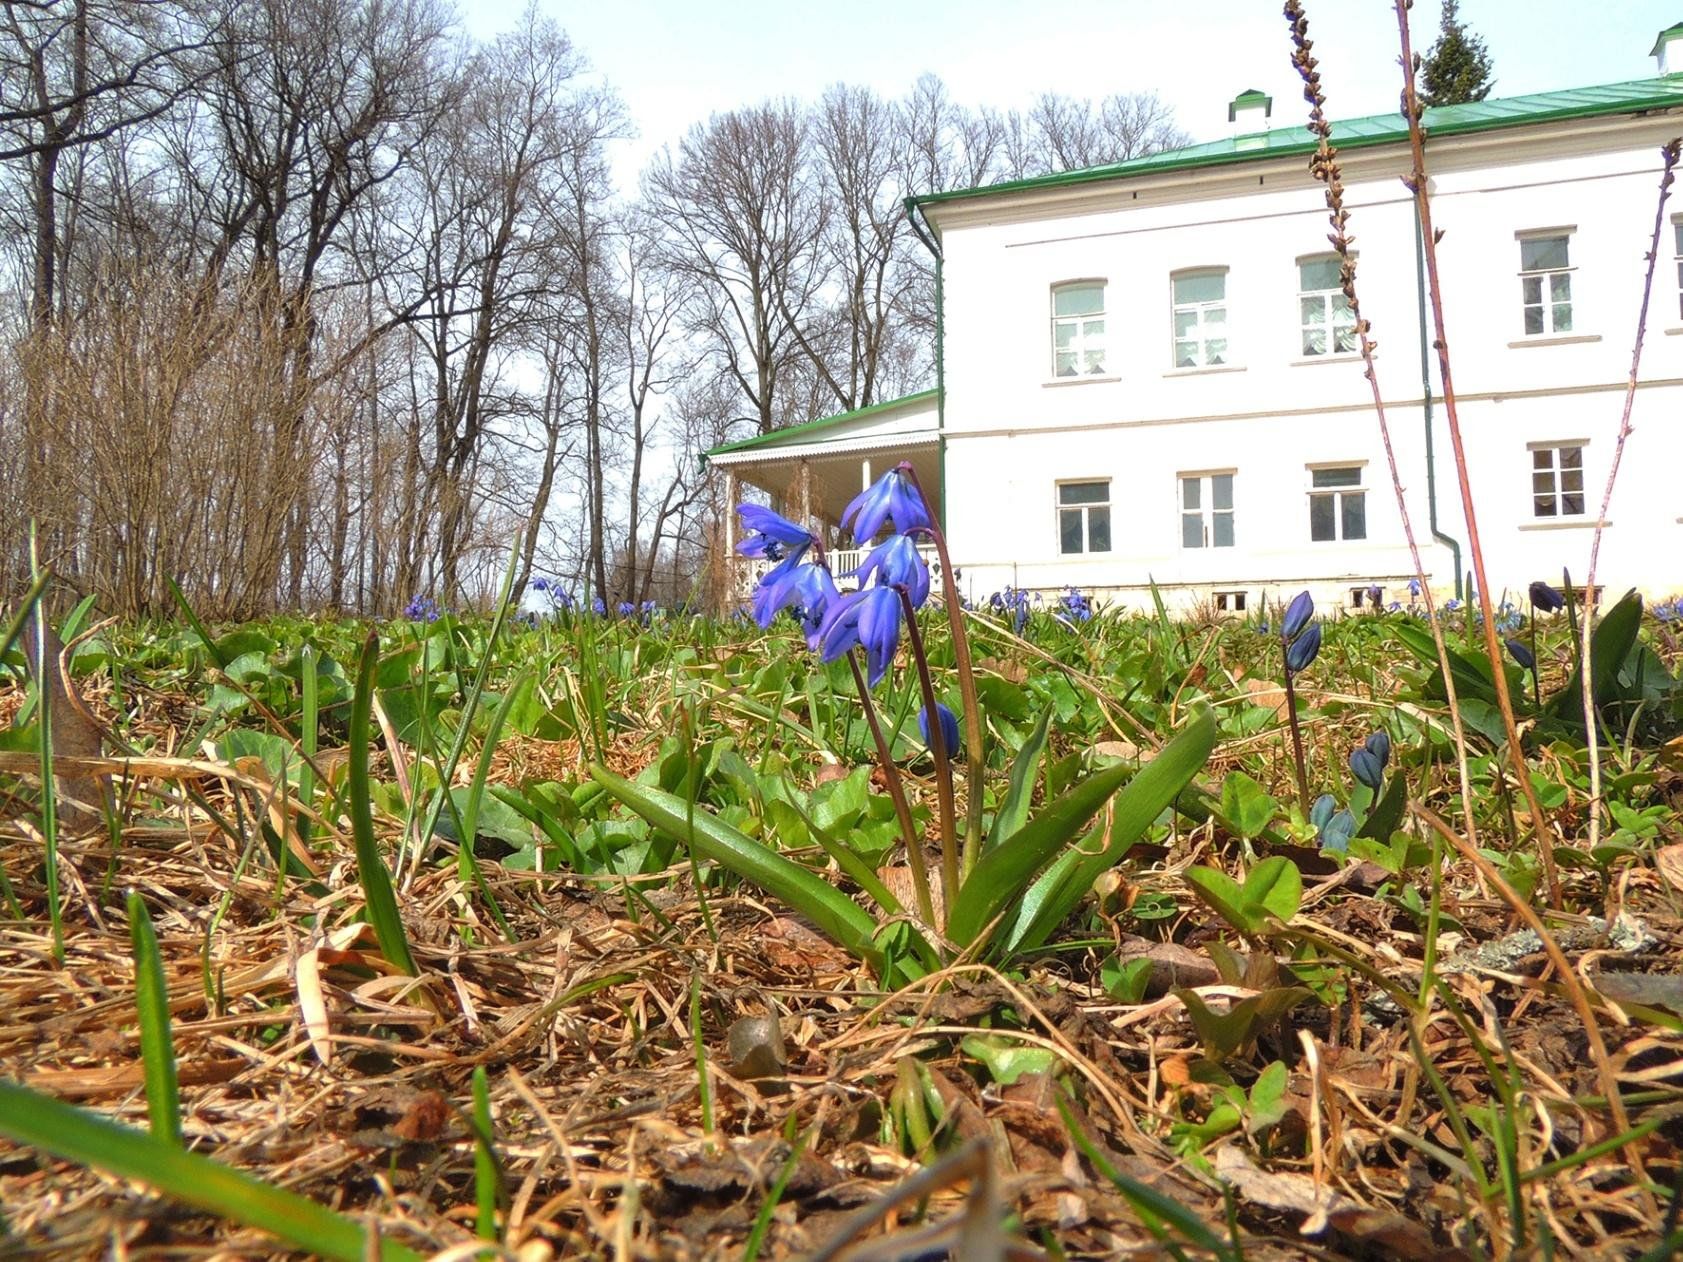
x,y
1013,432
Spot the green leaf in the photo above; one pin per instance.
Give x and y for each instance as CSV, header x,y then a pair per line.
x,y
1268,1097
376,882
1472,673
1387,813
1223,894
71,1134
1125,981
1004,871
811,895
1014,809
157,1048
1008,1060
1610,643
1246,805
1276,885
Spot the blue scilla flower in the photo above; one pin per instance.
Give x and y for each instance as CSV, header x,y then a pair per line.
x,y
1379,745
892,498
599,607
1298,613
1076,605
949,728
1367,768
421,609
1322,811
1304,649
1521,654
770,535
896,562
1451,605
808,593
1414,586
870,618
1546,599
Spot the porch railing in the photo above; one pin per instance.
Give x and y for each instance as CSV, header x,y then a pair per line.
x,y
844,565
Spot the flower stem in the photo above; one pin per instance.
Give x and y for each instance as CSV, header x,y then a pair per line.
x,y
1297,745
943,764
966,686
897,792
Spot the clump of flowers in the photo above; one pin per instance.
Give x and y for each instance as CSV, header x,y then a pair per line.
x,y
1014,603
1075,606
422,609
557,596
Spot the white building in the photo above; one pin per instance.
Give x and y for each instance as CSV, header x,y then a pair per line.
x,y
1147,372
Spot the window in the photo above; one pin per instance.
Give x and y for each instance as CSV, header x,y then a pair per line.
x,y
1557,481
1337,504
1083,517
1078,330
1677,229
1200,319
1206,510
1230,602
1545,281
1372,595
1329,326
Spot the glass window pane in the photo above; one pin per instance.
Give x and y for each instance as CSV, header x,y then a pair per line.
x,y
1560,287
1215,319
1314,342
1571,457
1186,323
1543,483
1065,363
1221,491
1069,530
1318,274
1092,328
1532,287
1186,354
1078,300
1341,313
1345,340
1083,492
1542,457
1321,518
1222,528
1098,529
1538,253
1201,287
1348,475
1063,335
1355,515
1191,492
1313,310
1191,530
1678,229
1215,350
1543,506
1572,505
1562,317
1571,479
1533,319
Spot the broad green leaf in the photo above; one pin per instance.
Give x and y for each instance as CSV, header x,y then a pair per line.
x,y
1223,894
1610,643
1005,871
27,1117
1008,1060
1472,672
811,895
1268,1097
1387,813
1125,981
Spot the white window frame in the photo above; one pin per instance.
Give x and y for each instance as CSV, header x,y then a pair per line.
x,y
1337,494
1677,254
1084,339
1209,322
1551,282
1085,509
1206,511
1332,322
1229,600
1549,480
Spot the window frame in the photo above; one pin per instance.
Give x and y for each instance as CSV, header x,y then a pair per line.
x,y
1545,276
1199,309
1677,257
1206,510
1079,345
1557,472
1337,493
1329,325
1230,600
1085,509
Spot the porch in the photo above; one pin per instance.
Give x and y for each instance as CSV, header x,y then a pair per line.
x,y
812,472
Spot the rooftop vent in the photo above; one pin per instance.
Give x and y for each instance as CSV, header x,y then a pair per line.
x,y
1249,112
1668,48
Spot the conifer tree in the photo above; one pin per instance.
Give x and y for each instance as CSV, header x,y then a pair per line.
x,y
1457,69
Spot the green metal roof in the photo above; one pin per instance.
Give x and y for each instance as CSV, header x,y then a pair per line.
x,y
1638,96
807,429
1663,35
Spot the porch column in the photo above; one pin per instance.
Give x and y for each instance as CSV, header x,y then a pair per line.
x,y
864,473
806,495
730,513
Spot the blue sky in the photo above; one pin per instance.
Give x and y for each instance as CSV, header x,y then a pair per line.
x,y
674,62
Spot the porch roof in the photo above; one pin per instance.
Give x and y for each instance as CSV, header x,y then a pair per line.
x,y
913,420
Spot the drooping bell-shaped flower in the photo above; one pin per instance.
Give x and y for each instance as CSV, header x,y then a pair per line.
x,y
791,584
1379,745
1546,599
870,618
1366,768
1298,613
1304,649
896,562
949,728
1522,655
770,535
892,498
811,593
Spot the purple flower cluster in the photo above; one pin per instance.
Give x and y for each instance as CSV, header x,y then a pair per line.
x,y
422,609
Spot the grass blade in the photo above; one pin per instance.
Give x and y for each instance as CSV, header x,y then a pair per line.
x,y
27,1117
487,1172
157,1048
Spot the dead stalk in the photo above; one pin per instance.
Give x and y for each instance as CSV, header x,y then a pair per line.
x,y
1492,643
